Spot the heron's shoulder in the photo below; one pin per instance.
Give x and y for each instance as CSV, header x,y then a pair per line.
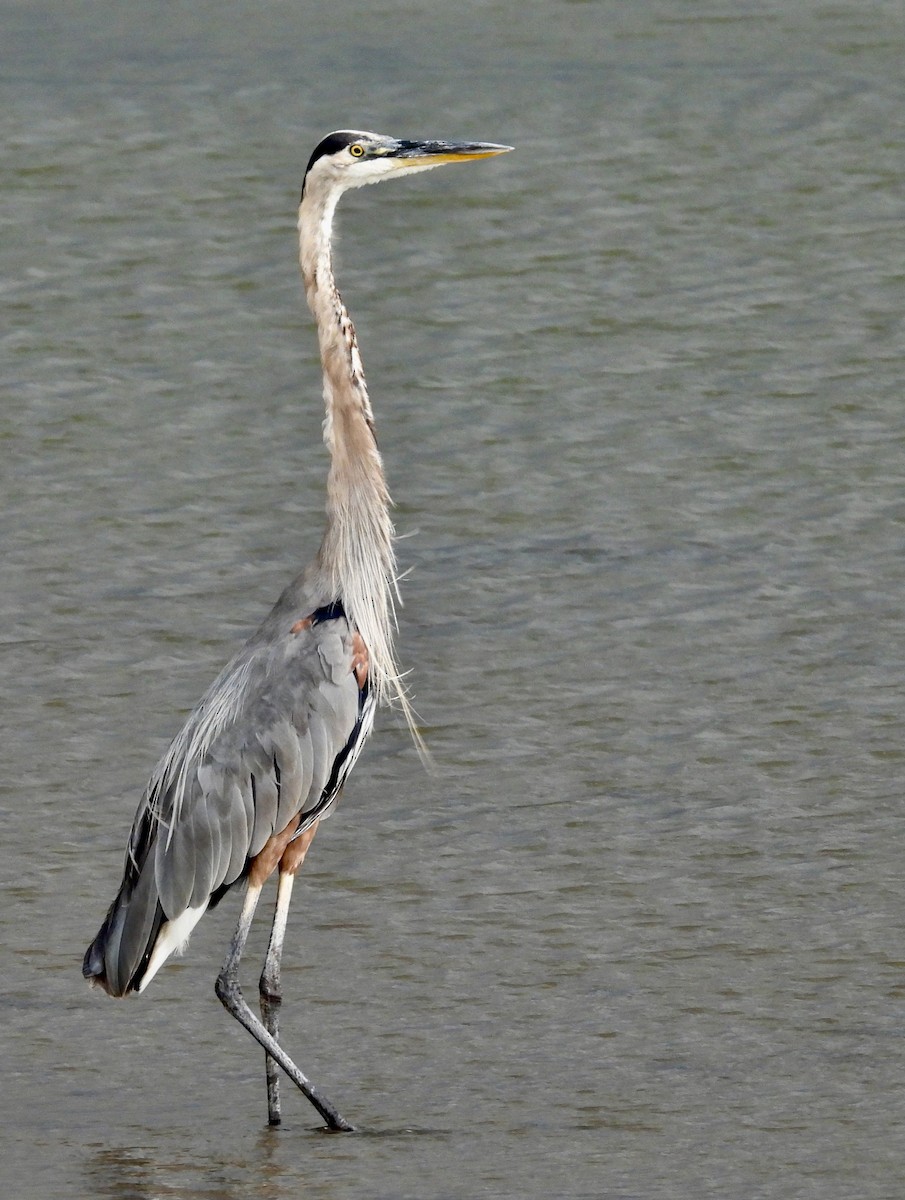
x,y
286,670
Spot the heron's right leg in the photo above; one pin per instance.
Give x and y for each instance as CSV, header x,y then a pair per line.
x,y
230,995
271,992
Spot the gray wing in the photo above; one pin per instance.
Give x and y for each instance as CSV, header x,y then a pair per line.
x,y
260,752
271,741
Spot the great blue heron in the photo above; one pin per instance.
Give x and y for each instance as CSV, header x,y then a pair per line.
x,y
263,757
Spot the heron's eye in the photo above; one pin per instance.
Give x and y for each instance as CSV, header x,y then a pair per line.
x,y
356,151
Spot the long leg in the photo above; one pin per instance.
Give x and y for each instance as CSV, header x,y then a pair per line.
x,y
271,992
230,995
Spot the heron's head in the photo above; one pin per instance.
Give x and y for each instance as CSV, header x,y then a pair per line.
x,y
351,158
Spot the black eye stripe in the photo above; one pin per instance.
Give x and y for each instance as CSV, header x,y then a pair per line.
x,y
332,144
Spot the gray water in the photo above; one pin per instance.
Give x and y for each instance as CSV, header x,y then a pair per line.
x,y
639,389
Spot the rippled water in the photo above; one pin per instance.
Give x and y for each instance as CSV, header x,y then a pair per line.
x,y
639,388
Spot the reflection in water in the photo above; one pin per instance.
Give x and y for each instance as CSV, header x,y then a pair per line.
x,y
126,1172
123,1172
274,1165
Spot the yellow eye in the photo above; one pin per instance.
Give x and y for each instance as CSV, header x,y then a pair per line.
x,y
356,151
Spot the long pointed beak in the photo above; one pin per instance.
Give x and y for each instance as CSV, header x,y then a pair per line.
x,y
424,154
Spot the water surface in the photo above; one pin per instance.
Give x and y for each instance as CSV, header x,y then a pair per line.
x,y
639,389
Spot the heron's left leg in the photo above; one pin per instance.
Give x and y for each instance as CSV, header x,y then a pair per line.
x,y
230,995
270,990
290,852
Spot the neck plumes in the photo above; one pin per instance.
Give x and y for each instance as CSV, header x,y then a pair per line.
x,y
356,556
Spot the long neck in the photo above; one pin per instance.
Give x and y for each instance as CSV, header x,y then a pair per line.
x,y
356,556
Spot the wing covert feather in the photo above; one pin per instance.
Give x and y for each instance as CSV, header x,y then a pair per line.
x,y
175,857
266,801
239,820
233,811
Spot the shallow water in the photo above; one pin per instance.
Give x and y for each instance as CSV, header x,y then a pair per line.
x,y
638,385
